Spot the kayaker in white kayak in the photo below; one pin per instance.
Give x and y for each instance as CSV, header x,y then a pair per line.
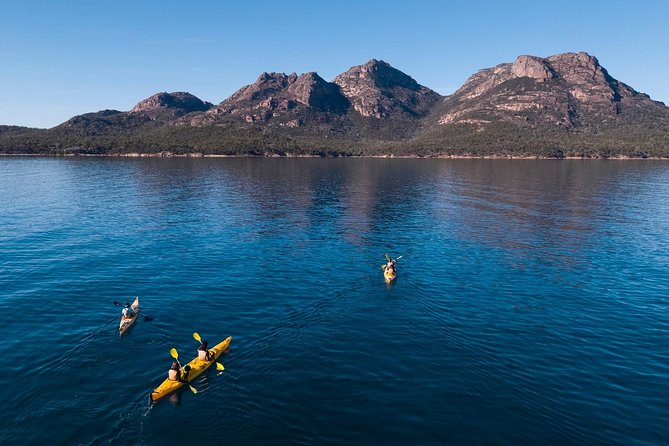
x,y
203,354
127,311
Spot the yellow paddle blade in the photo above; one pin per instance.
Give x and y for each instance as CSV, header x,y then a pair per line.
x,y
197,337
387,257
219,366
173,352
192,389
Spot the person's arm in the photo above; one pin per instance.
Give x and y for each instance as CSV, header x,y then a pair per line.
x,y
183,376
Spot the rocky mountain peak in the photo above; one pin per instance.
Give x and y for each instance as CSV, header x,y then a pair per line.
x,y
384,75
379,90
532,67
312,90
278,95
266,85
581,61
589,82
307,89
570,89
178,101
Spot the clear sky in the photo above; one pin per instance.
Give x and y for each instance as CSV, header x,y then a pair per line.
x,y
63,58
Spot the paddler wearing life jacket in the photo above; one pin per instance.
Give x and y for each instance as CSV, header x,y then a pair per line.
x,y
127,311
177,373
389,267
203,354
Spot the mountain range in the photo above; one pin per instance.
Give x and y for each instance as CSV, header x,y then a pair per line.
x,y
566,105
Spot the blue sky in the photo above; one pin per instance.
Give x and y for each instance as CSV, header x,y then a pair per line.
x,y
60,59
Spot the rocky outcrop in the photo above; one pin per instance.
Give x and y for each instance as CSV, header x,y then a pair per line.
x,y
171,105
157,110
532,67
312,90
568,90
267,85
589,83
278,97
378,90
284,91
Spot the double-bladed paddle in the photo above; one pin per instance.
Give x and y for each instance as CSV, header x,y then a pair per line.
x,y
390,260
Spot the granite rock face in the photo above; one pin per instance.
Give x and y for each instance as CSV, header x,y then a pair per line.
x,y
310,89
532,67
378,90
170,105
278,96
567,90
267,85
590,84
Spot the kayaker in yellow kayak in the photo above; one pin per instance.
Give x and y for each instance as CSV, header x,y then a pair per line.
x,y
389,271
177,373
203,354
389,267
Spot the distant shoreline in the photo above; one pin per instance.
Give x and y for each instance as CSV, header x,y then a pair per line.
x,y
202,155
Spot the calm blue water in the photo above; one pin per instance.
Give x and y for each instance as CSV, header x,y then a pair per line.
x,y
531,305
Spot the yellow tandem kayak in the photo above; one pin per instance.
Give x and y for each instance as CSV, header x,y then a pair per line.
x,y
197,368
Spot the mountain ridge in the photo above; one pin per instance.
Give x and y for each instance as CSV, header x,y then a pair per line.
x,y
557,106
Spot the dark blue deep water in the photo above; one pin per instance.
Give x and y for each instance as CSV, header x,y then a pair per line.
x,y
531,305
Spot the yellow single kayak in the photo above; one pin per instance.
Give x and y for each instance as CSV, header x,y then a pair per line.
x,y
127,322
197,367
